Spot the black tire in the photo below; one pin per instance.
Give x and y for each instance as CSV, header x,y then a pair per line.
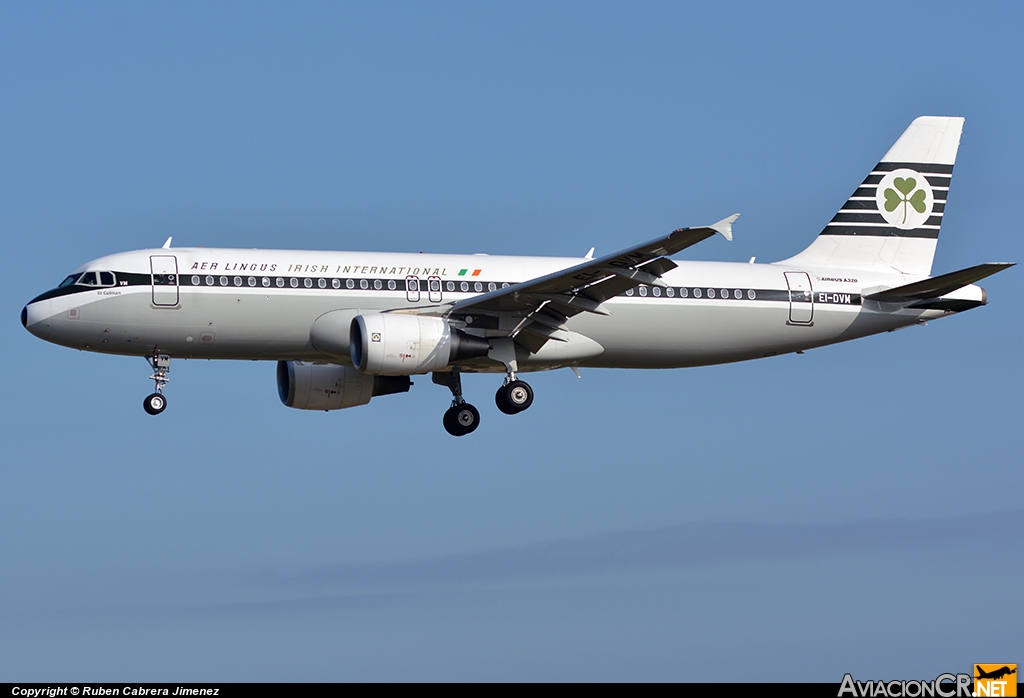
x,y
461,419
514,397
154,404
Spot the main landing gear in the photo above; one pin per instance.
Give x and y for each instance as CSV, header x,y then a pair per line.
x,y
513,396
462,418
156,403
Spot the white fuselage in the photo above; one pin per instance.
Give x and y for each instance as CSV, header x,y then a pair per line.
x,y
262,304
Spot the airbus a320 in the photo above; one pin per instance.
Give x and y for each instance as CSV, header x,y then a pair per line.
x,y
345,327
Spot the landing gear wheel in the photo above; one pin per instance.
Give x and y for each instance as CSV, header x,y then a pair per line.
x,y
514,397
154,404
461,419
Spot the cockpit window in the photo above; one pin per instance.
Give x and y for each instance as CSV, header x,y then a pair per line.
x,y
88,279
106,278
68,281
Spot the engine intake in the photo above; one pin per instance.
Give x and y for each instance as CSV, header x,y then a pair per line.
x,y
312,386
402,345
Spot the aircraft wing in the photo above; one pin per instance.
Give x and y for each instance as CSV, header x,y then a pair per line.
x,y
545,303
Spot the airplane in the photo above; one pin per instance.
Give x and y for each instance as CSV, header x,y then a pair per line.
x,y
995,674
345,327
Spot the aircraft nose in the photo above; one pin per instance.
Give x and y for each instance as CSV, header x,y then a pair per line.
x,y
36,317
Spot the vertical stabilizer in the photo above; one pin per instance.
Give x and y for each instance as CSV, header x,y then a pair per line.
x,y
892,221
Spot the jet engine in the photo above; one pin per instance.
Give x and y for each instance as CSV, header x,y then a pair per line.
x,y
401,345
315,386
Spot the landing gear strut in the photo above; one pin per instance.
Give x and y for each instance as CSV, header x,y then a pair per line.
x,y
156,403
461,418
514,395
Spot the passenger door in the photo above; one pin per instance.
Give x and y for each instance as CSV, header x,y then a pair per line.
x,y
801,298
164,275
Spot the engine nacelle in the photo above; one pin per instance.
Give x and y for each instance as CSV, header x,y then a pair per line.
x,y
402,345
312,386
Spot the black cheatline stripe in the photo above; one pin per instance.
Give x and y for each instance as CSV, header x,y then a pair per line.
x,y
879,231
858,218
865,192
938,207
871,205
285,283
671,293
760,294
934,180
924,167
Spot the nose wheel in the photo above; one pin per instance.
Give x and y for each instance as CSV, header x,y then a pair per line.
x,y
156,403
514,397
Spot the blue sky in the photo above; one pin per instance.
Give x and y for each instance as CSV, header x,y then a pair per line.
x,y
865,496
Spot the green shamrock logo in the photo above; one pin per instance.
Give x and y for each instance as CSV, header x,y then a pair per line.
x,y
902,196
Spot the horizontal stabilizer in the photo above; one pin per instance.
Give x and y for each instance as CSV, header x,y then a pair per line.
x,y
938,285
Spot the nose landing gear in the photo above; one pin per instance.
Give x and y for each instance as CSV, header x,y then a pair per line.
x,y
155,403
